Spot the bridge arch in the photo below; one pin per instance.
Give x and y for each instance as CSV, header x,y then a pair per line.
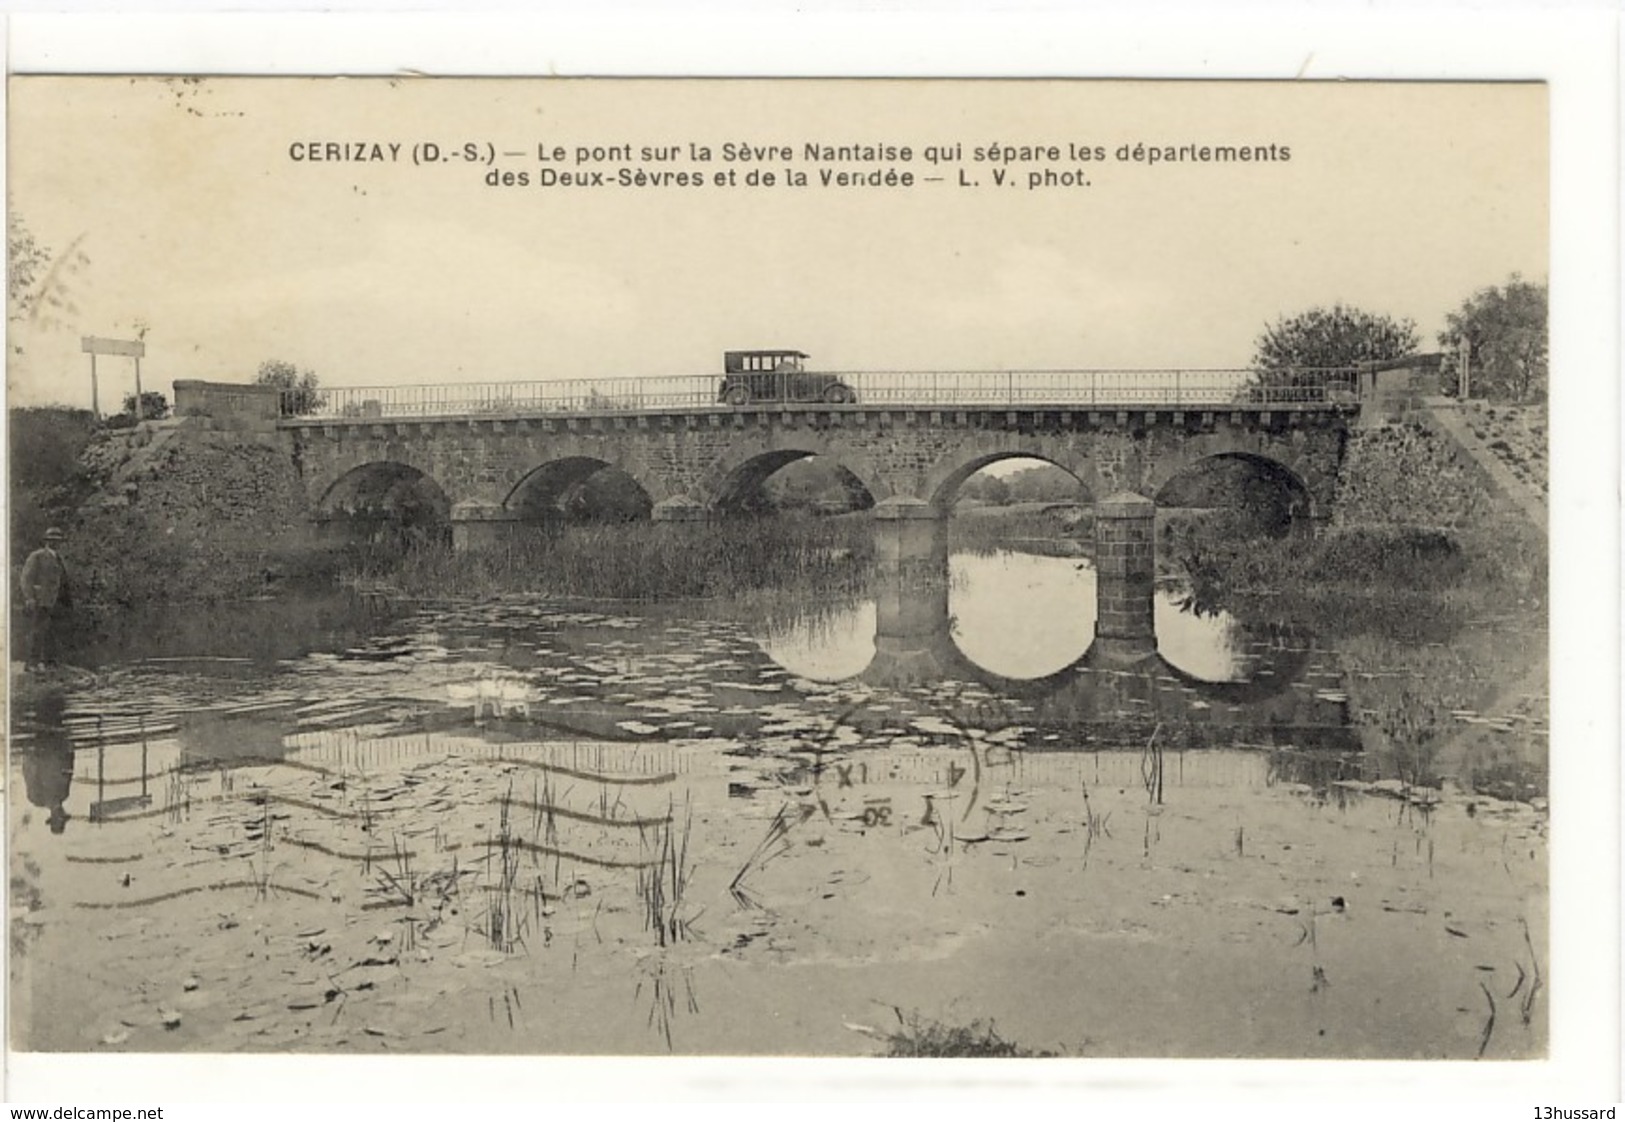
x,y
945,477
1267,487
944,482
562,489
380,496
735,483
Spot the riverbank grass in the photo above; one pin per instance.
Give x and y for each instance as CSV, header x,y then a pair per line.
x,y
918,1037
637,561
1350,580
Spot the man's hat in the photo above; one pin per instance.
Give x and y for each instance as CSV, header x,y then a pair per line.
x,y
54,535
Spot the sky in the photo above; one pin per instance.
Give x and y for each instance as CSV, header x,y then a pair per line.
x,y
197,224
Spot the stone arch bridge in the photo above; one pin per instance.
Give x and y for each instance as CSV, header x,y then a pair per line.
x,y
489,463
489,472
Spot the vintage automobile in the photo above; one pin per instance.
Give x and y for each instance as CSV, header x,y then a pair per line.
x,y
778,376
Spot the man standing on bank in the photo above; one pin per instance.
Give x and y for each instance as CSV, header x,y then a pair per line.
x,y
45,600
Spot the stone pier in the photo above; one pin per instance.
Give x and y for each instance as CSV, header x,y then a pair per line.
x,y
679,508
1126,568
478,527
909,532
911,593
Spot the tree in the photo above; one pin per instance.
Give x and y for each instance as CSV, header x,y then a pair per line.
x,y
1328,338
1043,483
1500,332
28,261
300,394
987,488
38,288
812,485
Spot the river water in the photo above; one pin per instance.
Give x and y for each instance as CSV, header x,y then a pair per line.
x,y
924,817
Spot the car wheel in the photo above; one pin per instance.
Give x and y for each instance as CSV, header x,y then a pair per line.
x,y
736,395
838,394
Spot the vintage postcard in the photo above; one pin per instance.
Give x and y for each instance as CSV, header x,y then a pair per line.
x,y
788,568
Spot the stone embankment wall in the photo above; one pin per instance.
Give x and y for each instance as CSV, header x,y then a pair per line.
x,y
185,510
1426,470
1420,459
1405,473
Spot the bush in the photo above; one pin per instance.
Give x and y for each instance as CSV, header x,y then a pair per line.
x,y
1398,556
301,394
1409,583
1219,550
154,407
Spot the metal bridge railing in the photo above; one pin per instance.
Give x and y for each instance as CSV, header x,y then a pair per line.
x,y
1083,389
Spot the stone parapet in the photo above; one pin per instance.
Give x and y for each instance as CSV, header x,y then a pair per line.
x,y
228,403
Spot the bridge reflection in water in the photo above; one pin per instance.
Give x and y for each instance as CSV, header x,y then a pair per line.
x,y
1121,686
1124,684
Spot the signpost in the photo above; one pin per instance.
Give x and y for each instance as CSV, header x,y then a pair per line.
x,y
94,345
